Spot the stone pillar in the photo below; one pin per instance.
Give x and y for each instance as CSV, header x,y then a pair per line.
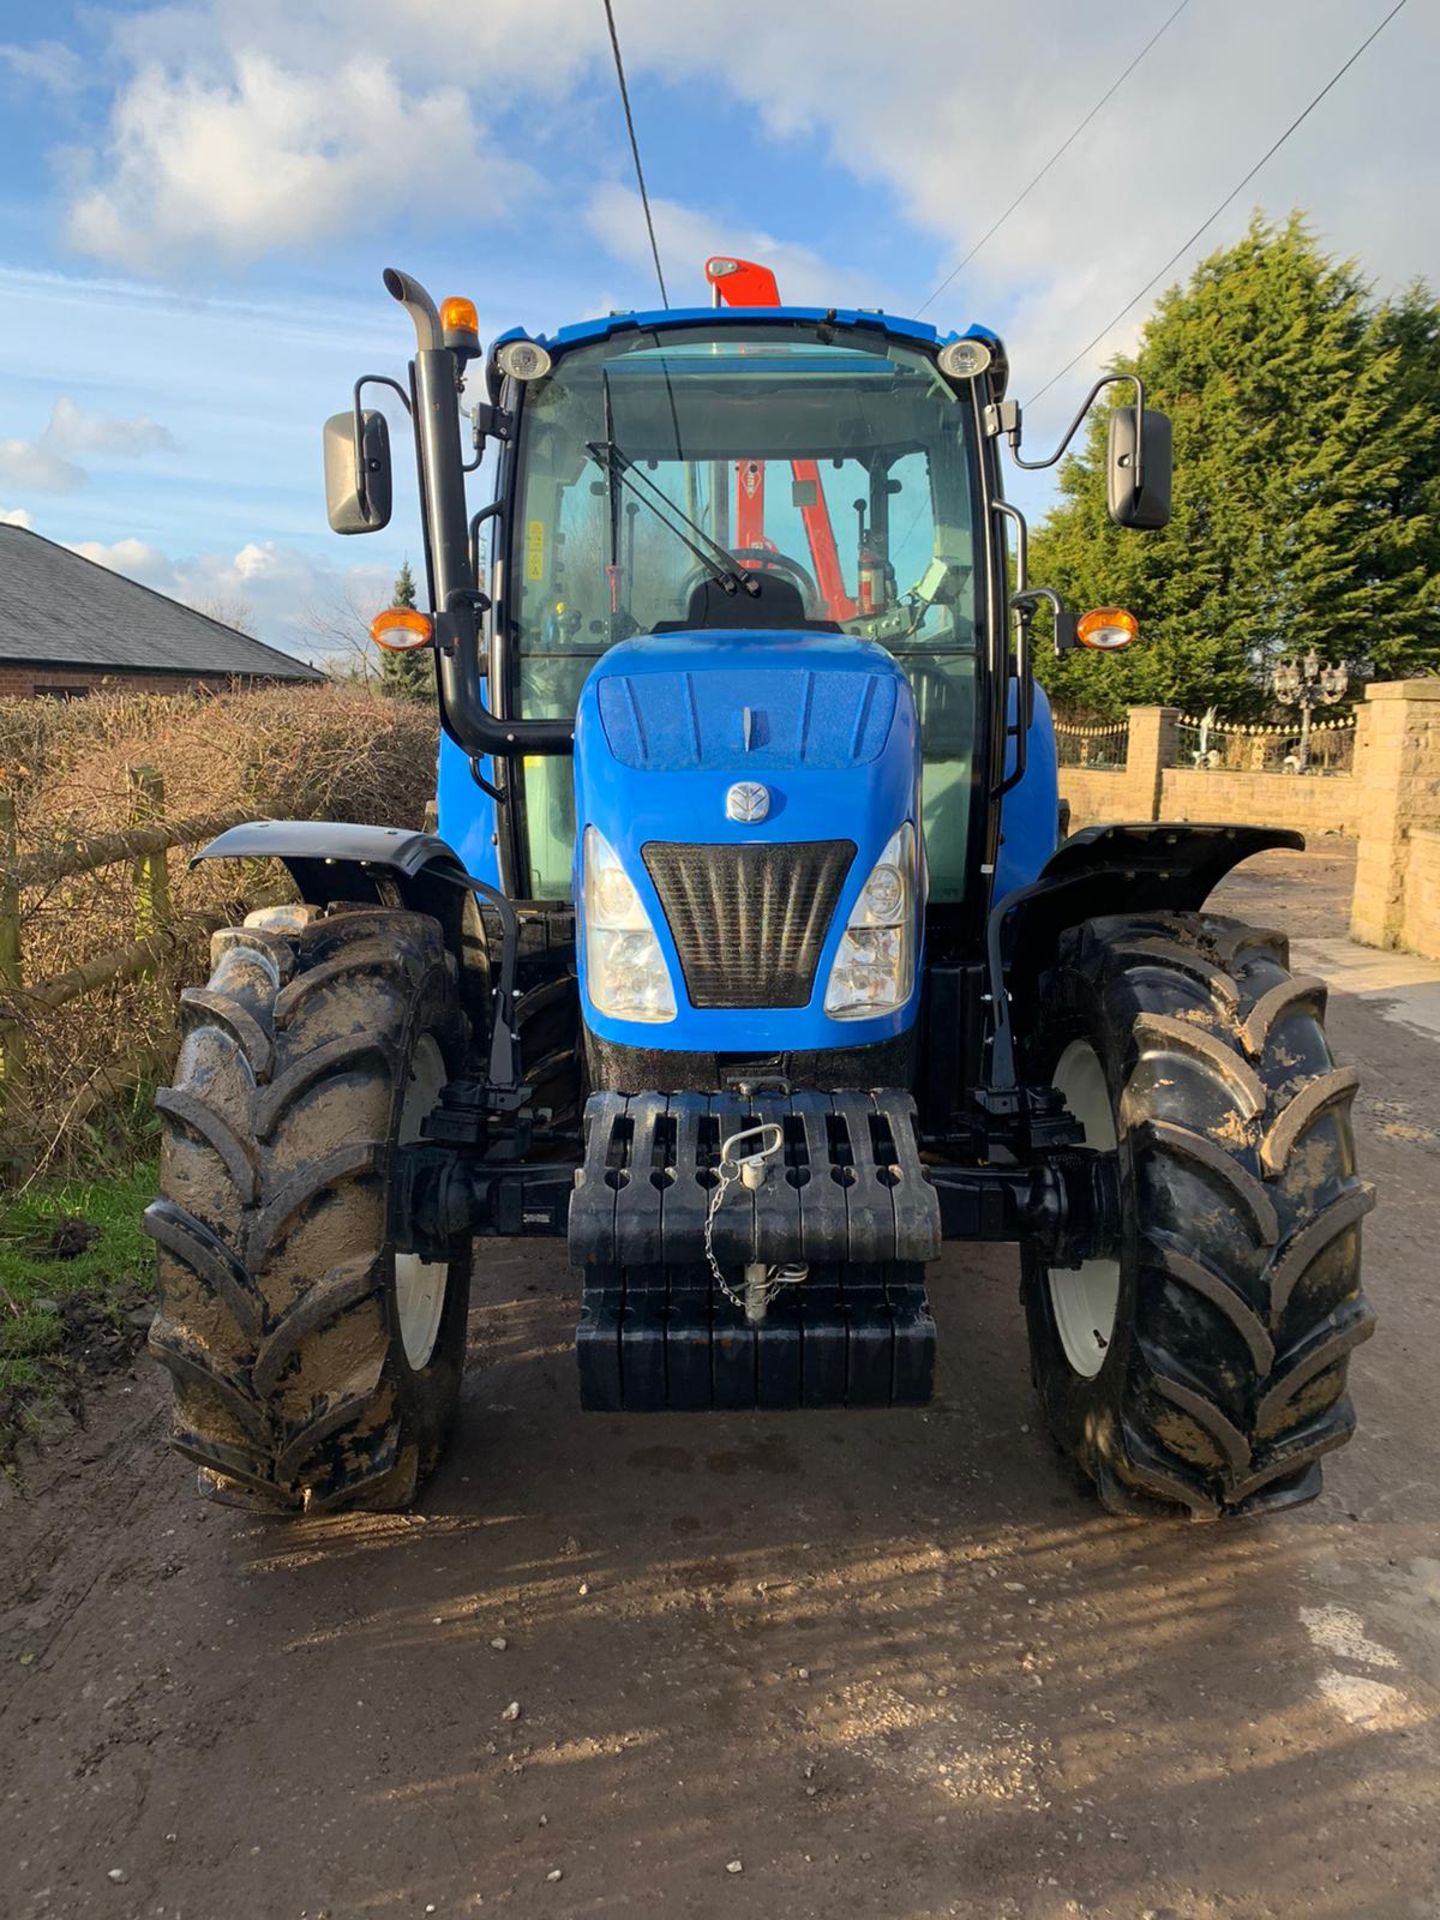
x,y
1397,764
1151,750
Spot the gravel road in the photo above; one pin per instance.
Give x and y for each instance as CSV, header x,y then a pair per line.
x,y
779,1666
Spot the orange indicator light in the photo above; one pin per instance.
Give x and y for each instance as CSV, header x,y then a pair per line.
x,y
402,629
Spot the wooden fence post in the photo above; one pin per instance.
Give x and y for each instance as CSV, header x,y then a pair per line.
x,y
151,870
12,1038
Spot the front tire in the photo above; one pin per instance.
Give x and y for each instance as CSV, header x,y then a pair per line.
x,y
312,1367
1203,1367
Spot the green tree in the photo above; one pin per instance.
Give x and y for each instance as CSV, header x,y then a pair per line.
x,y
1405,335
1307,466
409,675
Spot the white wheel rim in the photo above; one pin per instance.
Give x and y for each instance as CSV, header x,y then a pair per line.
x,y
1084,1299
420,1284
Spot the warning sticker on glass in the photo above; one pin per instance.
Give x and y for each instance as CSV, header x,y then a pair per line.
x,y
535,550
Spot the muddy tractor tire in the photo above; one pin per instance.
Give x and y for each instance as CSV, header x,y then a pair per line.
x,y
313,1368
1203,1370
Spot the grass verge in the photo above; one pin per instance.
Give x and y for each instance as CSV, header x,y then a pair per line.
x,y
76,1280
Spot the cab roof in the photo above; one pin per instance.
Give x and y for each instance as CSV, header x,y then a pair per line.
x,y
674,319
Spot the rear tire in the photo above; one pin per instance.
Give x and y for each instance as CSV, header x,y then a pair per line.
x,y
1235,1301
311,1368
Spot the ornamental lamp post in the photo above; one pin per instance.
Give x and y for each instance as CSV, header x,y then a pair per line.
x,y
1307,684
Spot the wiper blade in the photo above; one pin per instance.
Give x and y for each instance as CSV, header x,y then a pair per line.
x,y
622,468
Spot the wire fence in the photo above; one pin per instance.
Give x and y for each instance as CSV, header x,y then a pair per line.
x,y
1103,747
1216,746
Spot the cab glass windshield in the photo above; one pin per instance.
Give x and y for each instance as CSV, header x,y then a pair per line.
x,y
831,459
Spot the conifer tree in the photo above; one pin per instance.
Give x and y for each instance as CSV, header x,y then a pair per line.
x,y
410,675
1307,478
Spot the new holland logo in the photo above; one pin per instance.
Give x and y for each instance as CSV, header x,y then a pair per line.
x,y
747,801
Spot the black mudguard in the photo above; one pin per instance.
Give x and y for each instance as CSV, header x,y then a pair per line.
x,y
333,860
1114,869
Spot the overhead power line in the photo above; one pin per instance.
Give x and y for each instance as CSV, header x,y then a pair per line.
x,y
1062,149
1234,193
635,150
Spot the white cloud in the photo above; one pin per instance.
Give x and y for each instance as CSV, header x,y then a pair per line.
x,y
132,557
290,600
240,129
237,130
78,430
259,560
540,46
264,156
38,467
43,465
690,234
963,103
16,517
45,63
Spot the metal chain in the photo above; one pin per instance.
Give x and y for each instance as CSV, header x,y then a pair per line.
x,y
788,1273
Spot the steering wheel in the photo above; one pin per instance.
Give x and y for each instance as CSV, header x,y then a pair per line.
x,y
762,560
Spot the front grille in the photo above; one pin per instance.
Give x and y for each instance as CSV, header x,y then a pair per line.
x,y
749,922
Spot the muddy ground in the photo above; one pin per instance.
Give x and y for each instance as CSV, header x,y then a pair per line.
x,y
848,1665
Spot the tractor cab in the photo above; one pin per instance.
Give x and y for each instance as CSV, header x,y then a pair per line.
x,y
755,488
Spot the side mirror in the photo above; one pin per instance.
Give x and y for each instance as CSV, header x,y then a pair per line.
x,y
1146,505
357,472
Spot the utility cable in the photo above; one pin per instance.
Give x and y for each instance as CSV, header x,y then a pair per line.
x,y
1064,148
1234,193
635,150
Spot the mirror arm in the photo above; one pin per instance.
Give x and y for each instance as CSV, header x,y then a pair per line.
x,y
380,380
362,492
1005,418
1064,622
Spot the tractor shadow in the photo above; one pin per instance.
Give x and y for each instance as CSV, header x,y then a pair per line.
x,y
894,1663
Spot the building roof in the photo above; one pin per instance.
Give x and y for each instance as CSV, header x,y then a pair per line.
x,y
59,610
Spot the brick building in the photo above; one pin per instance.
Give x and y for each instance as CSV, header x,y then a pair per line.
x,y
68,626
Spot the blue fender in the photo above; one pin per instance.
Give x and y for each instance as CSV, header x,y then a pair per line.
x,y
1030,812
466,813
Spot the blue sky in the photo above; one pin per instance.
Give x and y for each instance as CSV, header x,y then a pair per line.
x,y
196,200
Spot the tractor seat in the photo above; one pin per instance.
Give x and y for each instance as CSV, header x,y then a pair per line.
x,y
779,604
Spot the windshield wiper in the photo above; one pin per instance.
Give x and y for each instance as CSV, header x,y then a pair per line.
x,y
623,469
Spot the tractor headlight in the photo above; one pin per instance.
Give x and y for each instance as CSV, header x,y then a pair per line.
x,y
625,972
874,968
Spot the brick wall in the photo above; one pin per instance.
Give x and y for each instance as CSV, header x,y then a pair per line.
x,y
1147,788
22,682
1095,798
1398,749
1390,803
1420,927
1131,792
1314,802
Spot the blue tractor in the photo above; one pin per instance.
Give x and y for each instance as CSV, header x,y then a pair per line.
x,y
749,954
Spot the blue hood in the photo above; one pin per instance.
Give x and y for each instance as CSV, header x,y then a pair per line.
x,y
668,723
825,711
